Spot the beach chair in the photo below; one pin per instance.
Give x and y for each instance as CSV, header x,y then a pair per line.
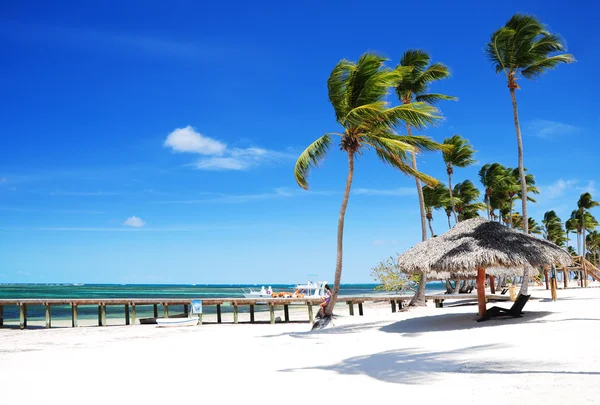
x,y
515,311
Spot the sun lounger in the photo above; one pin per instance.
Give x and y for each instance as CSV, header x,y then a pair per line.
x,y
515,311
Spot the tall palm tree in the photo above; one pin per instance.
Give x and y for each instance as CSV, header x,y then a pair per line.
x,y
357,92
417,75
553,229
571,226
585,203
523,47
461,155
593,243
493,176
512,189
434,198
466,196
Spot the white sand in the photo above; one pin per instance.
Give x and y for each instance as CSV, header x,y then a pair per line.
x,y
424,356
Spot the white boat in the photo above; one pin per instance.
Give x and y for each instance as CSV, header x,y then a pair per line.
x,y
308,290
170,322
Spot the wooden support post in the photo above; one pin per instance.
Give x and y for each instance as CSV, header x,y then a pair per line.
x,y
546,278
235,314
48,320
133,314
351,308
199,319
23,316
492,284
127,315
286,312
218,313
272,313
553,291
360,309
393,303
585,277
566,277
101,314
481,290
439,303
74,322
251,313
186,310
156,310
1,315
166,309
310,313
400,304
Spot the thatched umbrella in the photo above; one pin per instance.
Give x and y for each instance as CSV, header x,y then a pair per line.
x,y
476,245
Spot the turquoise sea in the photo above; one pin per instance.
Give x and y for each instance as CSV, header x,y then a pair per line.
x,y
198,291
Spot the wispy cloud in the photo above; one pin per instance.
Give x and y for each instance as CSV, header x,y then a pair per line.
x,y
277,193
134,222
129,42
562,187
547,129
219,155
404,191
83,193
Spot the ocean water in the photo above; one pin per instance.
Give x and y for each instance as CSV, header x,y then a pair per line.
x,y
200,291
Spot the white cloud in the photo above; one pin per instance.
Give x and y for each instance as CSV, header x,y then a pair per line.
x,y
547,129
405,191
220,157
562,187
188,140
134,222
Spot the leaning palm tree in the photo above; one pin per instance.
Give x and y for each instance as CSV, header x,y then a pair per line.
x,y
434,198
417,75
461,155
466,195
493,177
523,47
585,203
357,92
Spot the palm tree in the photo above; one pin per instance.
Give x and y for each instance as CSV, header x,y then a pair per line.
x,y
585,203
571,226
534,227
461,155
553,229
593,243
581,223
417,76
512,189
466,196
434,198
523,47
493,177
357,92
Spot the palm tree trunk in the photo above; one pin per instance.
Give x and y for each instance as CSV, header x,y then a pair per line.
x,y
487,206
430,227
513,97
449,225
510,210
583,232
452,197
418,300
340,236
419,191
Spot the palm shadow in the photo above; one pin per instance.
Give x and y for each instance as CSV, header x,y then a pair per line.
x,y
414,366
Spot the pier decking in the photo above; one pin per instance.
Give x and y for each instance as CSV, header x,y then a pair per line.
x,y
130,305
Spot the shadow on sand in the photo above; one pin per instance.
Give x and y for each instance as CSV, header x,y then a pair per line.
x,y
414,366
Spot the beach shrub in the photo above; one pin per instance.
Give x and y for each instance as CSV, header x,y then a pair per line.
x,y
388,274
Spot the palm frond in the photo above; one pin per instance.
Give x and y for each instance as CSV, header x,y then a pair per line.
x,y
417,115
311,157
433,98
538,68
461,153
436,71
337,85
400,164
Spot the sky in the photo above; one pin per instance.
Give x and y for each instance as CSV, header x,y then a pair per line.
x,y
154,142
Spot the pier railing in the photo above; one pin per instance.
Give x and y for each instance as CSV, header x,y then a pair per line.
x,y
130,305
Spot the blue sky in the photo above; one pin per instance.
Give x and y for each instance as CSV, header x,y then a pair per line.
x,y
146,142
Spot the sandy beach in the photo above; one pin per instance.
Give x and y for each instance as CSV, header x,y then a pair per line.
x,y
423,356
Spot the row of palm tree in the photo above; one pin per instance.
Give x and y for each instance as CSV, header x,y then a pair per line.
x,y
358,93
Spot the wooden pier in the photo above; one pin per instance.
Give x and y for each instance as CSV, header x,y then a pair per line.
x,y
130,305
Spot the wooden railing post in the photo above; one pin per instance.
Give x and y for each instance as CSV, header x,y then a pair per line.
x,y
251,313
272,313
155,310
48,320
235,314
74,321
22,316
393,303
311,319
133,314
286,312
218,313
1,315
166,309
186,310
127,314
360,309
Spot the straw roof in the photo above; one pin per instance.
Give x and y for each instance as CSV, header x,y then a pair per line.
x,y
481,243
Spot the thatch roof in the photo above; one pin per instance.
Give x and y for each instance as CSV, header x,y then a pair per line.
x,y
478,243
